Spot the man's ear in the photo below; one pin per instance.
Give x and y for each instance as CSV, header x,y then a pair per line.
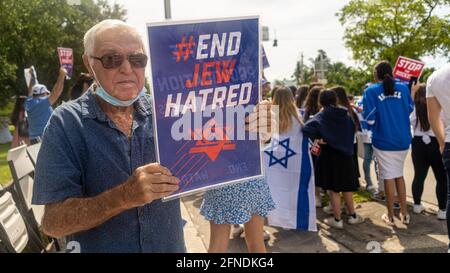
x,y
86,64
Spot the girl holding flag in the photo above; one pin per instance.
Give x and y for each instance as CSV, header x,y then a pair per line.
x,y
289,169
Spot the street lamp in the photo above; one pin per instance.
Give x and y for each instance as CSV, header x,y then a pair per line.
x,y
275,40
167,10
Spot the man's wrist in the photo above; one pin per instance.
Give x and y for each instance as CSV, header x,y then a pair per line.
x,y
121,196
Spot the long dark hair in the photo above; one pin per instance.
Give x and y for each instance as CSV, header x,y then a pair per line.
x,y
18,107
77,89
383,71
343,101
293,90
312,106
420,102
327,98
302,93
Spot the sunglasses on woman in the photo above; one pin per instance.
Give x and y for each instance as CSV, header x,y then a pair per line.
x,y
115,60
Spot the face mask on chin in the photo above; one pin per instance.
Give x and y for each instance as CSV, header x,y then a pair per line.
x,y
115,101
102,93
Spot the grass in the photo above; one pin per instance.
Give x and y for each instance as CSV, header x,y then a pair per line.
x,y
5,174
361,196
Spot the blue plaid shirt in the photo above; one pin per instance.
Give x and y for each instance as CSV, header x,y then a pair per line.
x,y
83,154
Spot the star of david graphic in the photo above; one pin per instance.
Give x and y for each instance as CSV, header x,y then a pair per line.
x,y
273,160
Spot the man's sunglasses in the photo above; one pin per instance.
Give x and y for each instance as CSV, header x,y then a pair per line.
x,y
115,60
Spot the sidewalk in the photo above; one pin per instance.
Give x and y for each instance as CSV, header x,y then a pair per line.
x,y
424,234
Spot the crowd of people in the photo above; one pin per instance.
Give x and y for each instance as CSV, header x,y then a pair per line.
x,y
97,177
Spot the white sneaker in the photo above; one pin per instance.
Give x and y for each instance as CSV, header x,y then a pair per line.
x,y
328,209
358,219
237,230
333,223
388,221
371,188
406,219
442,214
418,209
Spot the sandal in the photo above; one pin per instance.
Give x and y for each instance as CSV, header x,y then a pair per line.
x,y
406,219
388,221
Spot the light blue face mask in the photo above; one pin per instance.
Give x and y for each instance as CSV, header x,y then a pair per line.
x,y
99,91
114,101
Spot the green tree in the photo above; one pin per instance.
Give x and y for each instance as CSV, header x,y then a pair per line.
x,y
426,73
32,31
385,29
338,74
303,74
352,79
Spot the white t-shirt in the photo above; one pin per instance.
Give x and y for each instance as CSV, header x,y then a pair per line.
x,y
417,130
438,85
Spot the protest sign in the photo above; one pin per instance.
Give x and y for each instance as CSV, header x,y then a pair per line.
x,y
30,76
202,71
265,61
66,60
406,68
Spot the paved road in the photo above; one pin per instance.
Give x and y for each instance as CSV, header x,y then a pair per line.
x,y
428,196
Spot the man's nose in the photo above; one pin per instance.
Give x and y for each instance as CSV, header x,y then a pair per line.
x,y
126,67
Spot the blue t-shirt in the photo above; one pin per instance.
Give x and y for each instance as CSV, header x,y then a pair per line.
x,y
388,116
84,154
39,111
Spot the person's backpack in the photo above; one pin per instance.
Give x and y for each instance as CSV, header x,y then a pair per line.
x,y
23,126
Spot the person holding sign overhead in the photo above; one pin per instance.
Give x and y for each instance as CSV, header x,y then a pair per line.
x,y
38,105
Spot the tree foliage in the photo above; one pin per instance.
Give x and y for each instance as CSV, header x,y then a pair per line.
x,y
352,79
385,29
32,31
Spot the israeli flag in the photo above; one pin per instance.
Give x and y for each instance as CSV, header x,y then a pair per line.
x,y
290,175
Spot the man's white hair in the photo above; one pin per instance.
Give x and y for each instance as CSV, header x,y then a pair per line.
x,y
91,34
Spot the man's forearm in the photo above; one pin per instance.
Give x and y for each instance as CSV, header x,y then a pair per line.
x,y
57,89
438,130
434,116
79,214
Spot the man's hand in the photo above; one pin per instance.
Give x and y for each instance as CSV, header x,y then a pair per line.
x,y
262,121
414,88
62,72
149,183
59,86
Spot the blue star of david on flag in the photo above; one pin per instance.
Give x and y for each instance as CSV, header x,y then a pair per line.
x,y
273,160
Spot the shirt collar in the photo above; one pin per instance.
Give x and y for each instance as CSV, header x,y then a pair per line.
x,y
91,109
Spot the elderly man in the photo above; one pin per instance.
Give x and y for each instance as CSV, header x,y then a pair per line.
x,y
95,171
39,105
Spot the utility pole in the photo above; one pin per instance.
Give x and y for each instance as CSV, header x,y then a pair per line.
x,y
302,69
167,10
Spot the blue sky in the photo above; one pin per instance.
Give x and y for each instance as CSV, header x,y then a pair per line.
x,y
302,26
